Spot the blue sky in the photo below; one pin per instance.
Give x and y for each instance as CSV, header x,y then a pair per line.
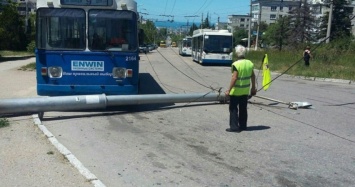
x,y
192,10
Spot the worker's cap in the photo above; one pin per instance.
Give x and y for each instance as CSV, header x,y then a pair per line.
x,y
240,50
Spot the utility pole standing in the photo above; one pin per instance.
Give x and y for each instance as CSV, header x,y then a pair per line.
x,y
218,23
249,33
329,21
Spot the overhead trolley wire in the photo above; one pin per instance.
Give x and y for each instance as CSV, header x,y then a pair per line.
x,y
209,87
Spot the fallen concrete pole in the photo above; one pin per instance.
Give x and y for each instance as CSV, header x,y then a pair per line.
x,y
84,102
291,105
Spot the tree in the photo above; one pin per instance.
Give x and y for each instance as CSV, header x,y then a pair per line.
x,y
206,23
192,28
262,28
150,31
239,36
341,21
162,34
302,24
277,33
12,33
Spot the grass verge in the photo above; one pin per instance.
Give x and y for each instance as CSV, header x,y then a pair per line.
x,y
5,53
342,67
4,122
28,67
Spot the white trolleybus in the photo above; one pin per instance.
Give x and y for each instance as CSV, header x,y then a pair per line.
x,y
87,47
185,46
212,46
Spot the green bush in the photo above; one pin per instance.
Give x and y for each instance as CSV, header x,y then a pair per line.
x,y
4,122
31,47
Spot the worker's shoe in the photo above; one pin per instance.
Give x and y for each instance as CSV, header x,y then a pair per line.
x,y
233,130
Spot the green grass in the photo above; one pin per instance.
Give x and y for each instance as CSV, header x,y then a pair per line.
x,y
29,67
325,64
14,53
4,122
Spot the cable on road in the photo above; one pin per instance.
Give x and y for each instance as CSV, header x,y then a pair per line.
x,y
206,86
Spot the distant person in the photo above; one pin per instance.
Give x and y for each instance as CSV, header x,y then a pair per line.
x,y
239,90
307,55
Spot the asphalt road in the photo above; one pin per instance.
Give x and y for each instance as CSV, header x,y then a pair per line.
x,y
186,144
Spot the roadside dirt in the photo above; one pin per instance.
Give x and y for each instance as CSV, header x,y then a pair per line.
x,y
27,158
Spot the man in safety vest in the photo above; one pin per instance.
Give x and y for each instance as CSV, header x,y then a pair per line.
x,y
239,90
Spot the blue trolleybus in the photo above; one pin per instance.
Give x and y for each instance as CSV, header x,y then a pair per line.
x,y
212,46
87,47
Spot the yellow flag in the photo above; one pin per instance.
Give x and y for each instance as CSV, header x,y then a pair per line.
x,y
266,73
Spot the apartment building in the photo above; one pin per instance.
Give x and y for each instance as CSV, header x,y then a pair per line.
x,y
238,21
30,5
269,11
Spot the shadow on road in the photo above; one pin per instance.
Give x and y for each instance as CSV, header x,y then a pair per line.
x,y
121,110
257,128
148,85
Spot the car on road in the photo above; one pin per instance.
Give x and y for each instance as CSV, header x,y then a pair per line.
x,y
162,44
143,48
151,47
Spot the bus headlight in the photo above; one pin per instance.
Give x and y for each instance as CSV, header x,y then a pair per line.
x,y
55,72
119,72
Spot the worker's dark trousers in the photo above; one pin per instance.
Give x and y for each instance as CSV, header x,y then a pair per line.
x,y
238,121
306,62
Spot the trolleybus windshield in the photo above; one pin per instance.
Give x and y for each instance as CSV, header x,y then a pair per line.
x,y
217,44
112,30
61,29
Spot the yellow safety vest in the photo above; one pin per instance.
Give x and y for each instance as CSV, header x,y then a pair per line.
x,y
242,84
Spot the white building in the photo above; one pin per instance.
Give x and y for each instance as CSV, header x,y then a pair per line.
x,y
269,11
238,21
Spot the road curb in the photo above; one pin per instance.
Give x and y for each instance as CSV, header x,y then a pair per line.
x,y
67,154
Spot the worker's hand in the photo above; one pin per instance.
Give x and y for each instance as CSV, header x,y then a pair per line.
x,y
226,92
253,92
